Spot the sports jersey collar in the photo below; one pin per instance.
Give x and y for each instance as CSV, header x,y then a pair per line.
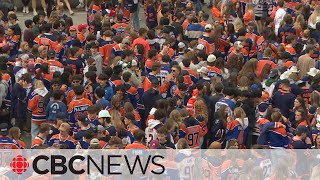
x,y
73,59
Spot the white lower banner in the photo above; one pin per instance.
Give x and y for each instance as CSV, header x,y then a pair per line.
x,y
159,164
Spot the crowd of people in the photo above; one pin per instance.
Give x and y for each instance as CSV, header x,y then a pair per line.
x,y
242,73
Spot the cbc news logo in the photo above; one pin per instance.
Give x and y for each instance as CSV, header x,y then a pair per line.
x,y
19,164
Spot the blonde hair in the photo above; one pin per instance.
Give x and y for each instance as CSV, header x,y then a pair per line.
x,y
38,84
41,48
23,46
54,16
116,119
14,133
201,109
175,115
297,23
182,144
128,107
314,15
239,113
238,24
250,6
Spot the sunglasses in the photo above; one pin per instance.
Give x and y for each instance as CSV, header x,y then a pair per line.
x,y
75,81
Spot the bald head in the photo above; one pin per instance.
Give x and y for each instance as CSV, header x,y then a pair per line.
x,y
215,145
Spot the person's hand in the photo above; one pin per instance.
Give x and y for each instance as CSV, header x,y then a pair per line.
x,y
229,119
179,102
284,119
56,146
138,71
308,140
13,121
168,78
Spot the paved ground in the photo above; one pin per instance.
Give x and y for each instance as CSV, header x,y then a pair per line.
x,y
78,18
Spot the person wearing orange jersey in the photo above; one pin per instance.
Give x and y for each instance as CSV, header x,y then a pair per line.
x,y
119,27
152,57
166,49
266,59
190,129
188,72
155,69
238,49
301,120
187,21
251,34
82,29
105,46
206,41
212,70
118,48
60,48
131,126
289,47
35,106
54,65
47,38
40,139
249,15
204,19
122,9
142,40
76,81
216,12
43,56
78,106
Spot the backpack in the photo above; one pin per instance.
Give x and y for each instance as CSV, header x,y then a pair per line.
x,y
4,109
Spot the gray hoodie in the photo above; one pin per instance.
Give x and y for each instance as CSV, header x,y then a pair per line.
x,y
3,91
99,61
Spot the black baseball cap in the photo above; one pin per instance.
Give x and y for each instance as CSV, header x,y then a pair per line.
x,y
4,129
83,118
51,54
62,116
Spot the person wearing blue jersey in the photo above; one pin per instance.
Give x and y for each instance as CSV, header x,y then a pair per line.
x,y
227,100
5,141
131,92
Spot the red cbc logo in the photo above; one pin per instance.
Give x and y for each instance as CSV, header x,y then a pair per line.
x,y
19,164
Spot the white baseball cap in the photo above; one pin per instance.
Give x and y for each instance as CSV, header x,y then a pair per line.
x,y
200,46
203,70
238,44
181,45
211,58
134,62
208,27
103,113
